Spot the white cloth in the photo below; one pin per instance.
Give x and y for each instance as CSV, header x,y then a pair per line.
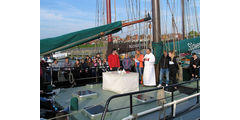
x,y
149,71
49,60
120,82
136,60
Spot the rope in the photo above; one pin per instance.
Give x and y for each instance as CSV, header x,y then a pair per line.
x,y
115,10
196,15
97,14
126,9
188,16
163,110
71,79
103,12
139,25
65,115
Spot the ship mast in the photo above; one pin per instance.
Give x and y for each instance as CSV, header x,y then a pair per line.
x,y
183,20
110,41
156,30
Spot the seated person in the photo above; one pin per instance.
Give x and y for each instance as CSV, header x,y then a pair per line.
x,y
48,109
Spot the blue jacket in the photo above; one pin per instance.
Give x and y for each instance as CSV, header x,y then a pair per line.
x,y
127,62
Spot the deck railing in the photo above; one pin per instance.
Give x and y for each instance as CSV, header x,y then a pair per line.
x,y
49,73
150,90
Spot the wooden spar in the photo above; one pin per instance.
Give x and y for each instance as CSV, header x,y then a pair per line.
x,y
136,21
132,22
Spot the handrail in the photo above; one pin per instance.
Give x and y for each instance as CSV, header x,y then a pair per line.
x,y
141,103
137,92
165,105
71,68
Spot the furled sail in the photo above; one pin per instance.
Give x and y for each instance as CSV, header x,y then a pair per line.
x,y
69,40
50,45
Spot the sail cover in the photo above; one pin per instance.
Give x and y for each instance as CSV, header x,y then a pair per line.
x,y
183,46
69,40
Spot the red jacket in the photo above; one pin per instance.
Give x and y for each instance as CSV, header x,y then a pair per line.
x,y
113,61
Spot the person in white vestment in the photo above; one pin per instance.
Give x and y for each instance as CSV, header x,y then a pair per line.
x,y
149,71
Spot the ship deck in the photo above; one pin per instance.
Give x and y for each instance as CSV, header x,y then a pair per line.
x,y
65,95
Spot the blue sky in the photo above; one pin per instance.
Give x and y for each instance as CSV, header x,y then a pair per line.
x,y
58,17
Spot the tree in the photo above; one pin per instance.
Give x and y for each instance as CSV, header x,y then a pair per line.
x,y
193,34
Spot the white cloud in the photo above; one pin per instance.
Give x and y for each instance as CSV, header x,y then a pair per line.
x,y
55,23
50,15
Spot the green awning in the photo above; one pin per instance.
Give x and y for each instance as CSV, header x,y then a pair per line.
x,y
50,45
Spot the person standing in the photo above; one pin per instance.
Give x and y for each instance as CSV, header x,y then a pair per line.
x,y
67,69
100,67
41,78
55,63
149,78
127,63
87,58
173,67
133,64
113,60
49,60
105,64
164,63
84,67
55,68
77,69
139,64
93,67
194,66
98,56
67,63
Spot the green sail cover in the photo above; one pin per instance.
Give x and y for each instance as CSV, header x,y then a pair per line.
x,y
66,41
183,46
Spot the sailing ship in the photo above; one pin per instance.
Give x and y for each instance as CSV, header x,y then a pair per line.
x,y
149,102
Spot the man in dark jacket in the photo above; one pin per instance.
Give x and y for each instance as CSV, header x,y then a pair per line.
x,y
164,64
194,66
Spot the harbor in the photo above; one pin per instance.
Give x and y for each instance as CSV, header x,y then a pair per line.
x,y
138,62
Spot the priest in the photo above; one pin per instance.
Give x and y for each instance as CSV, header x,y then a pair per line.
x,y
149,71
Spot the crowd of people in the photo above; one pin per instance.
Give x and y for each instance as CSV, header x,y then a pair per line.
x,y
80,68
140,63
94,66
